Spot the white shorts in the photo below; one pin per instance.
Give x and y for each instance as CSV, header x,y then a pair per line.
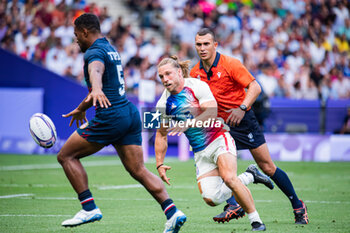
x,y
206,159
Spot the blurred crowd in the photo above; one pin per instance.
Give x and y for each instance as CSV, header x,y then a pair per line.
x,y
295,48
42,32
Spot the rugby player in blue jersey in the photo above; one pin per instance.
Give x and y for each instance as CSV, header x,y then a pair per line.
x,y
116,122
190,103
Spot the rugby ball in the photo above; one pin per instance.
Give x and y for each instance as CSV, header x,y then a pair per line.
x,y
42,130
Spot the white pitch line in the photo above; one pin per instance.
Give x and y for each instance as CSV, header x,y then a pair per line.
x,y
102,199
100,187
33,215
34,185
56,165
111,187
16,195
98,199
96,163
178,199
128,186
328,202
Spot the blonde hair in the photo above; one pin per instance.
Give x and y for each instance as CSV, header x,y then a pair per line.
x,y
184,65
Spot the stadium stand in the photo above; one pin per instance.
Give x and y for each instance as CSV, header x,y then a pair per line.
x,y
296,49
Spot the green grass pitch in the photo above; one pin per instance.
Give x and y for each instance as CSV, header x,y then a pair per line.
x,y
35,196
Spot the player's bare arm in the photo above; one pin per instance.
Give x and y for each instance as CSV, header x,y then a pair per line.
x,y
209,109
160,147
237,114
96,69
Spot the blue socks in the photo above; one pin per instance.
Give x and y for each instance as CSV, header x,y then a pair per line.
x,y
232,201
169,208
86,200
282,181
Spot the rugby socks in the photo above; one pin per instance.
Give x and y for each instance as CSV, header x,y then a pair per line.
x,y
246,178
86,200
232,201
254,217
281,179
169,208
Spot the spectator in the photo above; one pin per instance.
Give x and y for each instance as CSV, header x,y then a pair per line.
x,y
37,57
342,43
342,13
346,125
345,30
311,91
267,81
341,86
65,33
44,12
317,52
3,28
316,75
152,50
33,40
297,92
106,21
282,90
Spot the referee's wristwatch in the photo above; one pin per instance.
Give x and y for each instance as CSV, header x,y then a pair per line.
x,y
243,107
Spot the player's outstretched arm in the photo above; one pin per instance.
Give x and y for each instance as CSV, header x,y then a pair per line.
x,y
160,147
96,69
78,115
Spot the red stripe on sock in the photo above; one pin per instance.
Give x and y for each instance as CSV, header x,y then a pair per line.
x,y
166,209
87,200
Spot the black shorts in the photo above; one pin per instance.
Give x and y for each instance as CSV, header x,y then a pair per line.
x,y
117,125
248,135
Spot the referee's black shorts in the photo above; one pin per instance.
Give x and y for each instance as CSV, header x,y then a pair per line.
x,y
248,135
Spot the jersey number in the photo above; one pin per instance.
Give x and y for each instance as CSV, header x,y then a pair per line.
x,y
121,80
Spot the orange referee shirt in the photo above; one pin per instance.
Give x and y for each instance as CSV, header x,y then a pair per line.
x,y
227,79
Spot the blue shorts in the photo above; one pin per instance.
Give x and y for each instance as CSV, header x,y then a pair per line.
x,y
115,125
248,135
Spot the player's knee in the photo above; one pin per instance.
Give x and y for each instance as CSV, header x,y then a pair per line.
x,y
209,201
213,198
229,178
61,158
268,168
137,171
232,181
214,191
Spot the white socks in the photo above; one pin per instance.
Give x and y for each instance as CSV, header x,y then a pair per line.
x,y
254,217
246,178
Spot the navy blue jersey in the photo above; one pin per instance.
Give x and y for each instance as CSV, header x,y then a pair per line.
x,y
113,77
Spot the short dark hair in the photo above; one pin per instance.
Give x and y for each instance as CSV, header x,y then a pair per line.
x,y
204,31
88,21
